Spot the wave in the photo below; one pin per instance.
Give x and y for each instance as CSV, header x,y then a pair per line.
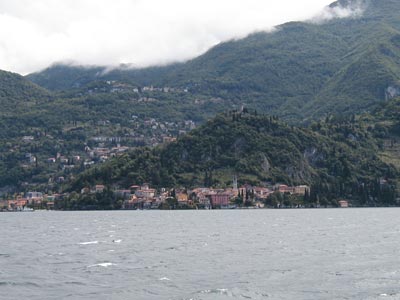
x,y
104,265
89,243
164,279
215,291
75,283
28,283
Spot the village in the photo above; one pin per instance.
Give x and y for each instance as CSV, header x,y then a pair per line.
x,y
99,148
109,140
145,197
114,86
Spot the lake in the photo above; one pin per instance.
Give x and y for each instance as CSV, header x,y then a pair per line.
x,y
215,254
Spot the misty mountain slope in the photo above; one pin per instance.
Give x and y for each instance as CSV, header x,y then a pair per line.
x,y
59,77
264,70
342,65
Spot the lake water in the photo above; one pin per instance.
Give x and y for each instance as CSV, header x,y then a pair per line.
x,y
228,254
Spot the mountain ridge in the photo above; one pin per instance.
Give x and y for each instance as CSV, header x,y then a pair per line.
x,y
285,72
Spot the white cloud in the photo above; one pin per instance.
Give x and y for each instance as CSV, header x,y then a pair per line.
x,y
354,10
34,34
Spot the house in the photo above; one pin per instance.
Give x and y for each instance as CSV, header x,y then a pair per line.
x,y
244,189
282,188
343,203
167,139
3,204
50,198
134,188
88,163
63,160
34,197
145,192
232,192
383,181
12,205
68,167
28,138
203,199
261,192
85,190
301,190
182,197
99,188
219,200
134,199
131,203
17,204
21,202
31,158
50,205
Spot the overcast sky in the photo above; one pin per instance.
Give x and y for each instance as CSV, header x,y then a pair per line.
x,y
37,33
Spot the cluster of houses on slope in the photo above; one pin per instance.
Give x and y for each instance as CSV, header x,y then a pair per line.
x,y
164,132
113,86
98,146
30,199
145,197
102,154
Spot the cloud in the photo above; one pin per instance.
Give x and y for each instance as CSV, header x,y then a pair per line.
x,y
35,34
353,10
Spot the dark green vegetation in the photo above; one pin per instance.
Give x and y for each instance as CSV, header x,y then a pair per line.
x,y
385,124
302,70
19,99
338,158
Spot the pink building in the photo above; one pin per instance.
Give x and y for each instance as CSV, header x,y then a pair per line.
x,y
219,200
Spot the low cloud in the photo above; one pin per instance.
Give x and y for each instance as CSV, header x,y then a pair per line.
x,y
35,34
353,9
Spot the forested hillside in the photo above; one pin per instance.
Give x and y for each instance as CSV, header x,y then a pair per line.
x,y
338,158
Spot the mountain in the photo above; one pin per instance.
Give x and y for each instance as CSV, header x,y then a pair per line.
x,y
18,99
16,92
60,77
305,73
299,71
337,158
